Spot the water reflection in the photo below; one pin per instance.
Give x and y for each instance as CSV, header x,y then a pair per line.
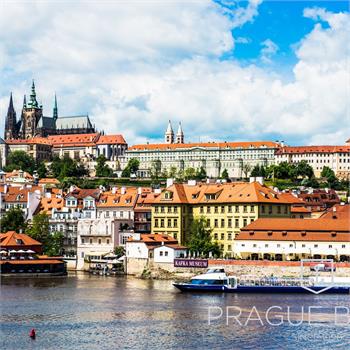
x,y
83,312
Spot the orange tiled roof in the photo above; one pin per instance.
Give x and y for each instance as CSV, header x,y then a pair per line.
x,y
31,262
109,199
48,181
81,193
111,139
18,194
300,210
74,140
338,211
47,204
154,238
165,146
237,192
31,141
286,224
313,149
15,173
10,238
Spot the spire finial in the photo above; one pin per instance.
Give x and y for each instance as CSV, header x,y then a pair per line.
x,y
24,101
33,101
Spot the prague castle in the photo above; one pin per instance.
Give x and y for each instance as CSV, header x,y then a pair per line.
x,y
34,124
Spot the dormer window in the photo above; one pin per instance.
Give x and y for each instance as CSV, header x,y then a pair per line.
x,y
168,195
210,196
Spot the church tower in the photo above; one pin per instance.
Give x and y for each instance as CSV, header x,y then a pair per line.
x,y
32,112
169,134
10,122
180,135
55,110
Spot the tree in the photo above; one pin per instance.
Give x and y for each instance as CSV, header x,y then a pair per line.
x,y
190,174
172,172
246,169
54,244
20,160
200,239
41,170
102,169
304,169
67,167
119,251
131,167
224,174
329,174
201,173
13,220
40,228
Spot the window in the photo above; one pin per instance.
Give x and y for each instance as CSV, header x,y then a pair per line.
x,y
162,209
245,209
222,236
229,247
90,240
291,245
315,245
107,241
208,222
208,209
330,246
270,209
229,208
156,209
201,210
266,245
303,245
216,209
229,223
175,209
166,253
237,208
216,223
222,209
82,241
156,223
343,246
263,209
161,222
244,222
215,236
82,254
169,222
229,236
236,223
169,209
278,245
279,210
222,222
252,208
99,241
161,253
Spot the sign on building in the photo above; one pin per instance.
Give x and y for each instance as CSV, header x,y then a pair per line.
x,y
191,263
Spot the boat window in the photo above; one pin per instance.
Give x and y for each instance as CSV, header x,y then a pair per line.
x,y
208,282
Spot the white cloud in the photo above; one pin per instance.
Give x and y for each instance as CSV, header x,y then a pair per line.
x,y
269,49
135,65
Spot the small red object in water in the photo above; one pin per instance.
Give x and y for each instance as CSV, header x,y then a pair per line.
x,y
32,333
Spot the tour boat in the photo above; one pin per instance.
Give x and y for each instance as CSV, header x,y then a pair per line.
x,y
216,280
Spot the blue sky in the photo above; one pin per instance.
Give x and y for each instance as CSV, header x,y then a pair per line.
x,y
228,70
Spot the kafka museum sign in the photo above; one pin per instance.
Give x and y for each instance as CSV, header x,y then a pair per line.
x,y
190,263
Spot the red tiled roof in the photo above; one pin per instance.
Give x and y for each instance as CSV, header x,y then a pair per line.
x,y
154,238
111,139
10,239
73,139
165,146
31,262
312,149
34,140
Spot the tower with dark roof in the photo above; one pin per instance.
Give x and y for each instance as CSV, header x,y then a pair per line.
x,y
11,121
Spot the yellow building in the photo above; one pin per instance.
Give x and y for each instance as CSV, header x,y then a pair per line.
x,y
227,208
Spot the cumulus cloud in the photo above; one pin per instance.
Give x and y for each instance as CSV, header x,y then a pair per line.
x,y
134,65
269,49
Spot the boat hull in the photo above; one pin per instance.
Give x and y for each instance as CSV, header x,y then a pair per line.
x,y
187,287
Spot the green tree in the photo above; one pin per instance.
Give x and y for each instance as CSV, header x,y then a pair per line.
x,y
200,239
119,251
189,174
224,174
131,168
40,228
246,169
41,170
172,172
20,160
304,169
258,170
67,167
13,220
102,169
201,173
54,244
332,180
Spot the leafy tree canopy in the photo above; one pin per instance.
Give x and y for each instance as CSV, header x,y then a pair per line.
x,y
13,220
20,160
200,239
131,168
67,167
102,169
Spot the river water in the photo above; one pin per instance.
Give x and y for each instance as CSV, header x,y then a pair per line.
x,y
93,312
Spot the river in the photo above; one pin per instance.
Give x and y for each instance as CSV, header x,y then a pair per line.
x,y
94,312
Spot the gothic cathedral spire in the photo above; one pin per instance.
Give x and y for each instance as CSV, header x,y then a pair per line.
x,y
55,109
33,102
10,122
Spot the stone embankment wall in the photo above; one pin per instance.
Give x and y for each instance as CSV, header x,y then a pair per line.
x,y
236,267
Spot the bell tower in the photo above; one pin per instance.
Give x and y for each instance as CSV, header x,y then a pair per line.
x,y
169,134
31,114
10,122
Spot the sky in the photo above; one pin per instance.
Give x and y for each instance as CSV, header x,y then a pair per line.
x,y
228,70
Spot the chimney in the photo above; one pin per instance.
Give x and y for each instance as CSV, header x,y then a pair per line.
x,y
252,179
169,182
191,182
5,188
114,190
139,190
260,179
123,190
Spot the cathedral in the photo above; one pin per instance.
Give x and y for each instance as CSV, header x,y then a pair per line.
x,y
33,123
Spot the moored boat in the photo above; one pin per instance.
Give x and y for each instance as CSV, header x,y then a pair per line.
x,y
216,280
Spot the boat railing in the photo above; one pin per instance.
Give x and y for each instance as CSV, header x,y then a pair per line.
x,y
274,281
